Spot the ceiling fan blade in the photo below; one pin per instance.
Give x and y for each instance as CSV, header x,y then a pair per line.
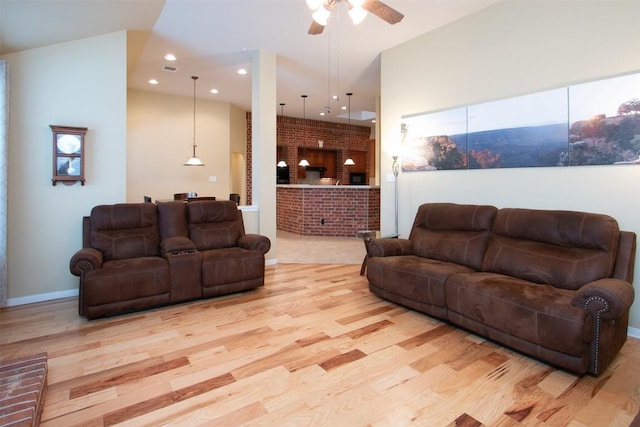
x,y
383,11
315,28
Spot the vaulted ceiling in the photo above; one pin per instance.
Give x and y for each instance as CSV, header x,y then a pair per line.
x,y
213,38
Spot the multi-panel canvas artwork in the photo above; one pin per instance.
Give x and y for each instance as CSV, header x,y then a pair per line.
x,y
595,123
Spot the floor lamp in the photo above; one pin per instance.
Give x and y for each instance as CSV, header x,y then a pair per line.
x,y
396,168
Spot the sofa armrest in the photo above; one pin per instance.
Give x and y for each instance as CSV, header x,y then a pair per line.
x,y
256,242
84,260
176,244
610,298
389,247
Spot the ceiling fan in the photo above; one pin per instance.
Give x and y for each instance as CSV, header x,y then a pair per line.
x,y
357,11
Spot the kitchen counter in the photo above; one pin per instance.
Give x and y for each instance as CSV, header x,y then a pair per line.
x,y
327,210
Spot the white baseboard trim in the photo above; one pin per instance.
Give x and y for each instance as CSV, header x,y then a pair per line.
x,y
42,297
633,332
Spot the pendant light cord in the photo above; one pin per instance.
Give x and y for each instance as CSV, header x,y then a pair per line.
x,y
194,114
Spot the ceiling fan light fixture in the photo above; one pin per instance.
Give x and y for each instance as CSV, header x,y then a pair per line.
x,y
357,14
321,16
354,3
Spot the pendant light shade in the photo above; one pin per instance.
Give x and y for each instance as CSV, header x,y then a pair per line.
x,y
194,160
349,161
304,162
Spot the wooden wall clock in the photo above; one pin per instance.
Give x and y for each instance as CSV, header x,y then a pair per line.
x,y
68,154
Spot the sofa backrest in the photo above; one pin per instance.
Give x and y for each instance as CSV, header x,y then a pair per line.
x,y
172,219
214,224
452,232
565,249
126,230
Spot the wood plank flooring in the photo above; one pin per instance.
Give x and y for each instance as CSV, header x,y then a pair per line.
x,y
312,348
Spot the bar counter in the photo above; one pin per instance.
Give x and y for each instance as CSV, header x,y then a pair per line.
x,y
327,210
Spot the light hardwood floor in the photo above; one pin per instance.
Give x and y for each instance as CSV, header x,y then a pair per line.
x,y
312,348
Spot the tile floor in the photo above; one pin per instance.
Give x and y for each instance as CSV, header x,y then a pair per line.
x,y
296,249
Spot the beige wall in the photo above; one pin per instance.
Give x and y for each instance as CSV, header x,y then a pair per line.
x,y
512,48
81,83
159,141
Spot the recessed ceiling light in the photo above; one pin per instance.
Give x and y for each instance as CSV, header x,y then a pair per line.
x,y
344,108
322,114
335,97
153,82
242,71
170,57
214,91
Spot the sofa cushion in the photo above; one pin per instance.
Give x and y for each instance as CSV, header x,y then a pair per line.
x,y
231,265
565,249
126,230
540,314
127,280
413,277
453,233
214,224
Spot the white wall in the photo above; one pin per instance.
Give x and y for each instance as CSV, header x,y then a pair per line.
x,y
81,83
515,47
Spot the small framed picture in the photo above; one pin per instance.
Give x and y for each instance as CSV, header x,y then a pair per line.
x,y
68,154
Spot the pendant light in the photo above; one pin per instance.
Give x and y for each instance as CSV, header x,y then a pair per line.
x,y
349,161
281,163
194,160
303,161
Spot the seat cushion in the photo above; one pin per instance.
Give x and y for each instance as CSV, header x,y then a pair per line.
x,y
124,280
413,277
231,265
540,314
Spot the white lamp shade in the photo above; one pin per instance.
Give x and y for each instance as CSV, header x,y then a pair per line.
x,y
303,162
282,164
194,161
349,162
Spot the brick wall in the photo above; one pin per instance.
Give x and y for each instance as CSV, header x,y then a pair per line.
x,y
292,133
332,211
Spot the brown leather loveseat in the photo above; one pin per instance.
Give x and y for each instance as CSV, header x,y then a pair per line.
x,y
556,285
140,255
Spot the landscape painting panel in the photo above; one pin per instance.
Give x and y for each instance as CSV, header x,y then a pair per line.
x,y
525,131
435,141
605,122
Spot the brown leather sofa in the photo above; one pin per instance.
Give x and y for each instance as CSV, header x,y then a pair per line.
x,y
141,255
556,285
